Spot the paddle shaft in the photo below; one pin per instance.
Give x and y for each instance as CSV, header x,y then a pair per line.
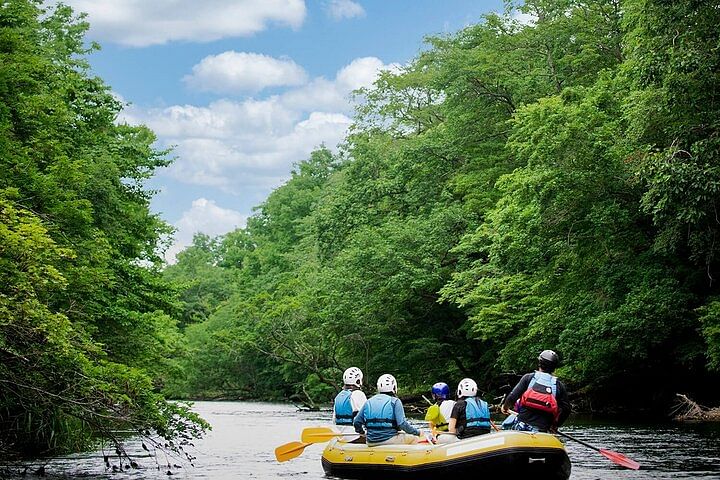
x,y
567,435
615,457
577,440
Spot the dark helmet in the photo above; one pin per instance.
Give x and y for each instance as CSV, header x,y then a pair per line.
x,y
441,390
548,360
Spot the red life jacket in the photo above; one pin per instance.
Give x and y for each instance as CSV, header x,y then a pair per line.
x,y
541,394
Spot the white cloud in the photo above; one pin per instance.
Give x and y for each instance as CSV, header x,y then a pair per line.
x,y
140,23
341,9
231,72
361,72
236,145
248,146
326,95
222,119
525,19
319,94
204,216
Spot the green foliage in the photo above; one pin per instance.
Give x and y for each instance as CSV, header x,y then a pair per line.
x,y
515,187
673,111
204,286
710,322
85,323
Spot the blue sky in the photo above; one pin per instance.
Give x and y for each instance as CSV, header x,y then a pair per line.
x,y
245,88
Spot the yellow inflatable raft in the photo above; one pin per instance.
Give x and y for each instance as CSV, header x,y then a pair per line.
x,y
511,454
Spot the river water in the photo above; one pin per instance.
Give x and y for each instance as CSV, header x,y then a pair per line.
x,y
244,436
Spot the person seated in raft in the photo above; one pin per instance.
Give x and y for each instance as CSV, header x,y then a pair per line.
x,y
540,399
470,415
439,412
383,417
350,399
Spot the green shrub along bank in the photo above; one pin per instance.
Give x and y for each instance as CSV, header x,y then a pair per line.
x,y
86,319
515,187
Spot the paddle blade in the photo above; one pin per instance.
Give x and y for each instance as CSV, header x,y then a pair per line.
x,y
620,459
286,452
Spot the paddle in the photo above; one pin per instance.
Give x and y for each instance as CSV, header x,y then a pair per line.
x,y
286,452
322,434
615,457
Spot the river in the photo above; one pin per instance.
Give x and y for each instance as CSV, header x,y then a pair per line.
x,y
245,434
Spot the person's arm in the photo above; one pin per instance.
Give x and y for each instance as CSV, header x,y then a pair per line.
x,y
359,421
563,403
516,393
402,422
452,423
357,400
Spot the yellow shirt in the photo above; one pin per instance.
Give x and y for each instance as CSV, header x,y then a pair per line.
x,y
433,415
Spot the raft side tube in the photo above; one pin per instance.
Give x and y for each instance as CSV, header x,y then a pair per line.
x,y
505,453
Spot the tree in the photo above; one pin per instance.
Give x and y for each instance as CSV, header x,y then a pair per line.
x,y
83,310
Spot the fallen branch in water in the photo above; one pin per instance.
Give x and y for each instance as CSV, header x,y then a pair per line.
x,y
689,410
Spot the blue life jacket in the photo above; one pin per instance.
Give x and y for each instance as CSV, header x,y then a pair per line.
x,y
343,408
477,413
380,412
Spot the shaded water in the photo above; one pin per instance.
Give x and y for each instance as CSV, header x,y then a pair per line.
x,y
244,437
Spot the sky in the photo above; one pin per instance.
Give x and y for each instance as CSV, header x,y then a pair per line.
x,y
244,89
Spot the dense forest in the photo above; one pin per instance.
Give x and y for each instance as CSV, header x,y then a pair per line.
x,y
86,320
515,187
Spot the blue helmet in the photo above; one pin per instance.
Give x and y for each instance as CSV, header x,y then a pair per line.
x,y
441,390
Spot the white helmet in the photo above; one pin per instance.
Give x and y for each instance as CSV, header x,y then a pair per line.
x,y
353,376
387,384
467,388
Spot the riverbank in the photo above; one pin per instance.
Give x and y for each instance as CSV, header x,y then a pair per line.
x,y
688,410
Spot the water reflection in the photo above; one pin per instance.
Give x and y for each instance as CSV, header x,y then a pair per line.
x,y
245,435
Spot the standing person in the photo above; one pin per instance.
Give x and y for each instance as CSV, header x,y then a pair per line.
x,y
383,416
438,414
350,399
470,415
540,398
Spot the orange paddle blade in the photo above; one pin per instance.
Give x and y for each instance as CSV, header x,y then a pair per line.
x,y
283,453
620,459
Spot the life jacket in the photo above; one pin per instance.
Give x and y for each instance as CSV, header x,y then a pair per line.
x,y
541,394
343,408
380,412
442,423
435,415
477,413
